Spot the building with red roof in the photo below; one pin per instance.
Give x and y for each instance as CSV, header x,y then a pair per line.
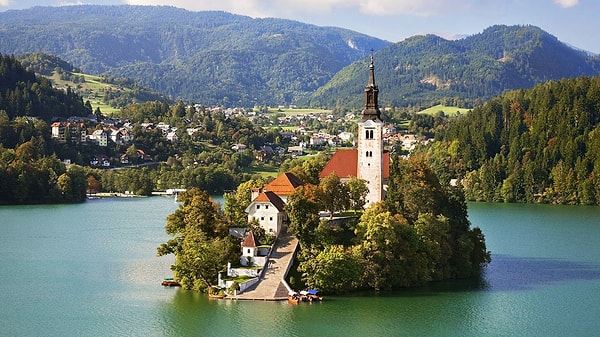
x,y
368,161
268,202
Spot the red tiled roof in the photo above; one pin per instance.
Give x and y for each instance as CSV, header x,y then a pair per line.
x,y
271,197
345,164
249,241
285,184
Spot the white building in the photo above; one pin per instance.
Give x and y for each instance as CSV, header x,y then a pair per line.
x,y
368,161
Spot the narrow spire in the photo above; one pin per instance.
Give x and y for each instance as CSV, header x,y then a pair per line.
x,y
371,110
371,73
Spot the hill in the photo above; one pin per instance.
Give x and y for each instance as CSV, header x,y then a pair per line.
x,y
535,145
104,93
22,93
207,57
429,70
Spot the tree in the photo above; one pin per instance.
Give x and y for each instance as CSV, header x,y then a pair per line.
x,y
333,194
64,186
237,202
201,259
389,250
333,270
358,190
78,183
132,154
93,185
303,211
200,241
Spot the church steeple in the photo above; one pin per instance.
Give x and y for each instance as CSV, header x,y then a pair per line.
x,y
371,110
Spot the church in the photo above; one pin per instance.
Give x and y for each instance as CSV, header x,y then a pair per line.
x,y
368,161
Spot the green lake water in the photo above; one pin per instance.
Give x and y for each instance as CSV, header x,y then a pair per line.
x,y
91,270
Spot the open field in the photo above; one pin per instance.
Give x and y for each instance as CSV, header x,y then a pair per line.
x,y
265,171
92,89
448,110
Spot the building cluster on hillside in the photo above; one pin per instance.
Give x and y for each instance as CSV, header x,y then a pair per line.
x,y
76,130
298,133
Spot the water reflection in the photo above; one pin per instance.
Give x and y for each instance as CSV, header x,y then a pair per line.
x,y
521,273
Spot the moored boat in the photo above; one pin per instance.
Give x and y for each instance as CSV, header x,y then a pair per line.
x,y
310,295
293,298
170,282
216,296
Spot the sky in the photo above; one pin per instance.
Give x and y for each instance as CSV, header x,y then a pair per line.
x,y
572,21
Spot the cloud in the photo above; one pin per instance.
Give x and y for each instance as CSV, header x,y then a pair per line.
x,y
287,8
4,3
566,3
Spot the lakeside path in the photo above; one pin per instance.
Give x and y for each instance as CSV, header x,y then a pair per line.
x,y
270,287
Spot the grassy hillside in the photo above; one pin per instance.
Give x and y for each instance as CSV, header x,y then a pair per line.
x,y
92,89
447,110
107,94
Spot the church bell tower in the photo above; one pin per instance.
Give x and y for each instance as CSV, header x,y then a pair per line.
x,y
370,142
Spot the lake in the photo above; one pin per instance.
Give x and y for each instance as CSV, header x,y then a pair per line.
x,y
91,270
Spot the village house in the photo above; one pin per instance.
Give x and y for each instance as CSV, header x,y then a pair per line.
x,y
121,136
268,202
100,161
74,132
268,209
239,147
99,137
141,157
172,136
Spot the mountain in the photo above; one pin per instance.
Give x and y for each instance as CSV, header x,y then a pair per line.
x,y
426,70
208,57
221,58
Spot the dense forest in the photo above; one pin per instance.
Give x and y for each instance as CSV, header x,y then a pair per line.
x,y
30,170
208,57
428,70
537,145
24,94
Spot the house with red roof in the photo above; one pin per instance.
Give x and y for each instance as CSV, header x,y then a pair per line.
x,y
268,202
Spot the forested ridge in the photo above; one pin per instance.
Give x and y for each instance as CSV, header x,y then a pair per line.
x,y
24,94
537,145
427,70
220,58
207,57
